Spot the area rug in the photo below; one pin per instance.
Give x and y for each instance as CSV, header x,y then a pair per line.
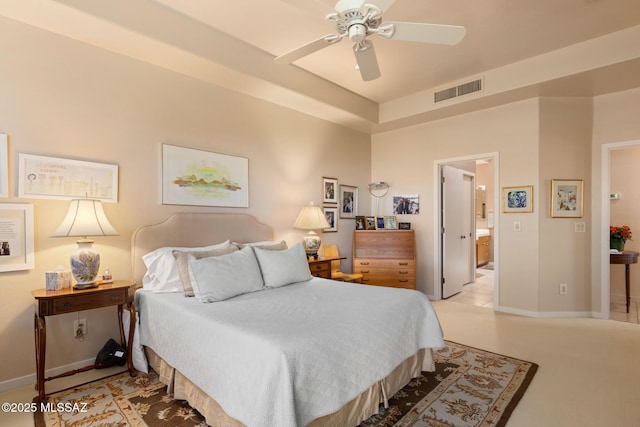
x,y
470,387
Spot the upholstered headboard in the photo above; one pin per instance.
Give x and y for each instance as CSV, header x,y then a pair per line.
x,y
193,230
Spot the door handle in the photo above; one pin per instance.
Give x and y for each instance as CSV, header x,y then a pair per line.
x,y
463,237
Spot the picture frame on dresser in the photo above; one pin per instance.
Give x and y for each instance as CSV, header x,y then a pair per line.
x,y
370,223
390,223
360,223
380,223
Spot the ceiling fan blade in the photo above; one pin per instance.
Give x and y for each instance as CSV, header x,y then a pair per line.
x,y
367,61
308,49
427,33
316,7
384,5
345,5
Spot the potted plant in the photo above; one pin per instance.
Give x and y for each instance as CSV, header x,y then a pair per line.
x,y
618,236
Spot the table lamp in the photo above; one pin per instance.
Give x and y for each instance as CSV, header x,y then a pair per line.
x,y
85,218
311,218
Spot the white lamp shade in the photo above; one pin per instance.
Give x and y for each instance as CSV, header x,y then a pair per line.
x,y
85,217
311,217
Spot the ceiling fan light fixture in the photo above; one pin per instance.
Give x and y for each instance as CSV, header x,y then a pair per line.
x,y
357,32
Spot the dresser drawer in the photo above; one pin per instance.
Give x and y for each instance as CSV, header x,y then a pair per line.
x,y
86,302
384,263
321,269
408,282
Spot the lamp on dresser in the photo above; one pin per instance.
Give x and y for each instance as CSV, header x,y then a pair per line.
x,y
84,218
311,218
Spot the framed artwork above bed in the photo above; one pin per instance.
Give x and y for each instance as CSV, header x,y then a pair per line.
x,y
203,178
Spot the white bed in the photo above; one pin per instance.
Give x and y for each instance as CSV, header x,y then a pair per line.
x,y
313,352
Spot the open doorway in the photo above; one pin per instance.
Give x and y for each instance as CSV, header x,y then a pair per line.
x,y
483,290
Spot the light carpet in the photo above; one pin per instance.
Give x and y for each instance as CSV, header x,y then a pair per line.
x,y
470,387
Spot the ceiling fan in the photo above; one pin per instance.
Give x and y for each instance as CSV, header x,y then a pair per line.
x,y
357,20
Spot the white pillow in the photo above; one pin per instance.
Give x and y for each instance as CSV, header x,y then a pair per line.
x,y
268,244
225,276
162,270
281,268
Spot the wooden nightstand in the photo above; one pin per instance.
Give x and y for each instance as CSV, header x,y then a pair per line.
x,y
321,267
50,303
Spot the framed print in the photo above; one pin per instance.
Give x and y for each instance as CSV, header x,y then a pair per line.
x,y
406,204
4,166
348,201
331,213
517,199
360,223
43,177
390,222
370,223
203,178
329,190
16,237
566,198
379,223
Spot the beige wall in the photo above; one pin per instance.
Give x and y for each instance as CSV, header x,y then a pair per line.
x,y
405,158
63,98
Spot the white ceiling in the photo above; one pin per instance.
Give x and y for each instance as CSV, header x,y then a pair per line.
x,y
235,47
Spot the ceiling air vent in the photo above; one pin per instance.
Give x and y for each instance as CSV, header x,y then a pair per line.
x,y
463,89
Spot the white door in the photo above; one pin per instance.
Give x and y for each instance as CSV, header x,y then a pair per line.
x,y
457,209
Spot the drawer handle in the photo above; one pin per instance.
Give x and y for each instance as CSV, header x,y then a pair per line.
x,y
318,267
364,271
403,272
403,263
114,298
66,304
403,280
364,263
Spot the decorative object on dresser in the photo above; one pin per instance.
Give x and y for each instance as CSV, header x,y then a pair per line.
x,y
85,217
311,218
332,251
385,257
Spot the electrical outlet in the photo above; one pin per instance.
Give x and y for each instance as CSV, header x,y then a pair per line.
x,y
80,328
517,226
563,288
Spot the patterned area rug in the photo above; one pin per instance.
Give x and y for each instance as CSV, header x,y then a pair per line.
x,y
470,387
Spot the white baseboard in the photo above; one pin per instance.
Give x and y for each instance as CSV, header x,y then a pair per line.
x,y
544,314
31,378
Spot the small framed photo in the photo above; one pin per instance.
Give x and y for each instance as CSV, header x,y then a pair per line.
x,y
331,213
329,190
517,199
360,223
16,239
390,223
404,226
379,223
348,201
567,198
370,223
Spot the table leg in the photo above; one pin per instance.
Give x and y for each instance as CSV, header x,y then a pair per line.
x,y
132,331
40,330
627,279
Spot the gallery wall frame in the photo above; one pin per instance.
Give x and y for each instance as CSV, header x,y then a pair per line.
x,y
348,201
517,199
203,178
567,198
4,166
42,177
329,190
331,213
406,204
16,237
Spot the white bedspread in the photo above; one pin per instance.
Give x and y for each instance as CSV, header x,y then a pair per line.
x,y
284,357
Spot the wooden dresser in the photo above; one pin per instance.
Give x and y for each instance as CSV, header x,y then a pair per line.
x,y
385,257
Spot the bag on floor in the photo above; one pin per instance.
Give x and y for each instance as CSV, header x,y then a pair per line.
x,y
111,354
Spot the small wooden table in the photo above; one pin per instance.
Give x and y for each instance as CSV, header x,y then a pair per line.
x,y
50,303
321,266
627,258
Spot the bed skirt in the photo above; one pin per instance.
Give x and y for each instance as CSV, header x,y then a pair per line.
x,y
351,414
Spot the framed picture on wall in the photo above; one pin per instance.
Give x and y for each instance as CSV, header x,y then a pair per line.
x,y
4,166
348,201
567,198
517,199
16,237
331,213
329,190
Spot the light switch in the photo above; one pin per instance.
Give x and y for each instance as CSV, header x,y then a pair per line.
x,y
580,227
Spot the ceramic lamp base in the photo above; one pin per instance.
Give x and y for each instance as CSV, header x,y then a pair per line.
x,y
312,244
85,263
